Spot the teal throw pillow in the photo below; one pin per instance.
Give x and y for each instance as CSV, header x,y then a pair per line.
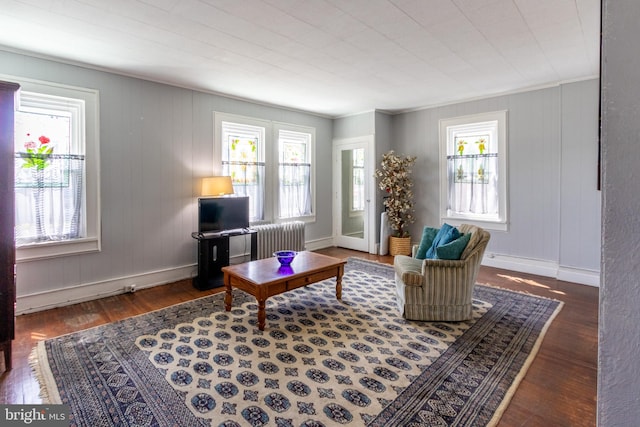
x,y
445,235
453,250
428,234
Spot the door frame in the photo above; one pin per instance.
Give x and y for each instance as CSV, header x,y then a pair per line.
x,y
368,142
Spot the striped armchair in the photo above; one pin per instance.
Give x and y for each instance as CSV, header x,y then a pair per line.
x,y
440,290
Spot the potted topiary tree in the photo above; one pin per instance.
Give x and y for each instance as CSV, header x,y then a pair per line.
x,y
394,178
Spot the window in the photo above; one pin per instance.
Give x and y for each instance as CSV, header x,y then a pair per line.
x,y
56,170
243,159
294,173
270,162
473,170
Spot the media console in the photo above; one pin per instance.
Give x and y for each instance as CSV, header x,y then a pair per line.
x,y
213,254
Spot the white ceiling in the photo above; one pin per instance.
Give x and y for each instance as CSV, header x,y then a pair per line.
x,y
332,57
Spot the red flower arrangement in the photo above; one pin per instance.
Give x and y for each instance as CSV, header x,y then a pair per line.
x,y
37,153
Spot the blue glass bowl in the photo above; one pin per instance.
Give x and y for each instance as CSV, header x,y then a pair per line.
x,y
285,257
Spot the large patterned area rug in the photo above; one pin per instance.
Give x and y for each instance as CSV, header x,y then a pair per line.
x,y
319,361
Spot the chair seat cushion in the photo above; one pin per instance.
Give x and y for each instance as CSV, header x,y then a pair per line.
x,y
445,235
409,269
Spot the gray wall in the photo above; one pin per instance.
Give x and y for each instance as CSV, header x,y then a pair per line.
x,y
580,216
554,215
619,340
354,126
384,143
156,142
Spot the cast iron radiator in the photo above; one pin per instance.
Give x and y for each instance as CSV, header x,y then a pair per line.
x,y
277,237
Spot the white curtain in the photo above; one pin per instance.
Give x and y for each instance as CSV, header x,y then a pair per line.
x,y
49,200
248,180
473,184
295,190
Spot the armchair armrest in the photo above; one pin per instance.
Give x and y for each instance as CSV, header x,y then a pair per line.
x,y
409,269
413,278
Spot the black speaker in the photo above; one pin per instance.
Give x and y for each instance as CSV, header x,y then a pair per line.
x,y
213,254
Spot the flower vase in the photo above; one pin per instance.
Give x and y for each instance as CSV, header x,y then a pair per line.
x,y
38,175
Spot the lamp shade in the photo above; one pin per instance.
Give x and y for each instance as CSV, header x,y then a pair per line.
x,y
217,186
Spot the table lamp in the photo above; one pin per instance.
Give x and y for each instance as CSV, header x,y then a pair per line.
x,y
217,186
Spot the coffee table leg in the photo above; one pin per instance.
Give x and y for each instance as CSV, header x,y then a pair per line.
x,y
339,283
261,314
228,296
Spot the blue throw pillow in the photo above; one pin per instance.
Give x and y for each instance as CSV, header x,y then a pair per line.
x,y
453,250
428,234
446,235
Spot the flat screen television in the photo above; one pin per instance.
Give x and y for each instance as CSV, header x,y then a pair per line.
x,y
223,213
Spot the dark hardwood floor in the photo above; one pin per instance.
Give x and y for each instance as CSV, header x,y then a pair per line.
x,y
559,388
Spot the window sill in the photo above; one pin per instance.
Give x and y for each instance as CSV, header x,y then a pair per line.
x,y
307,219
57,249
487,225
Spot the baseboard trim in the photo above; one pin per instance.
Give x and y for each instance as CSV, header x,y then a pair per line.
x,y
314,245
585,277
75,294
543,268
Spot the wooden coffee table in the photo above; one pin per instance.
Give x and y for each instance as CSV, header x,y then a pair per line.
x,y
265,278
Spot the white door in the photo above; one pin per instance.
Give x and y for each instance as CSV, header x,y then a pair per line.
x,y
353,187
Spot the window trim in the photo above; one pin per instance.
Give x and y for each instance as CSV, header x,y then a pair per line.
x,y
502,223
91,129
